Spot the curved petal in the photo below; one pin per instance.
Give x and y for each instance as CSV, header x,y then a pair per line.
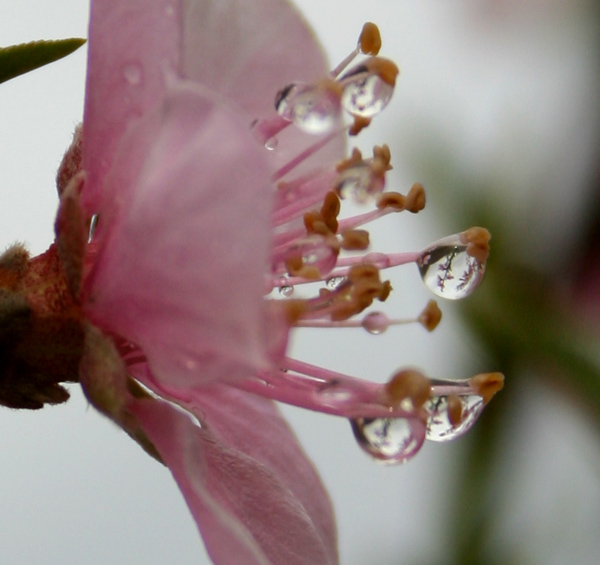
x,y
243,51
133,46
198,189
255,496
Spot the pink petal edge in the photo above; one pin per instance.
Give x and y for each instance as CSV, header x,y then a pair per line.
x,y
239,490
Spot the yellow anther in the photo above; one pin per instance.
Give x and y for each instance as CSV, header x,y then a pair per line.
x,y
455,410
487,385
391,200
382,154
415,199
408,389
386,289
359,124
477,242
431,316
370,39
355,240
330,210
385,69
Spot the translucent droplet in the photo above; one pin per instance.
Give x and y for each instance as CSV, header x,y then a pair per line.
x,y
439,426
375,323
133,74
93,226
333,282
271,143
359,184
286,290
313,108
315,252
449,271
366,95
284,101
389,440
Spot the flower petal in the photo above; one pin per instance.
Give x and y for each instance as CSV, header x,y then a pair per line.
x,y
254,495
190,179
133,46
243,51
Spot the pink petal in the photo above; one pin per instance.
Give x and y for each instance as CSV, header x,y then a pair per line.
x,y
183,252
254,495
133,45
244,51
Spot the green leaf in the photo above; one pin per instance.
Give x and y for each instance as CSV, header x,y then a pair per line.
x,y
20,59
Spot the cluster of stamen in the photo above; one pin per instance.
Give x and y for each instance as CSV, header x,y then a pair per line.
x,y
313,244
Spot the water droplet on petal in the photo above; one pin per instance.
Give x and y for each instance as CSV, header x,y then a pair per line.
x,y
286,290
367,95
440,426
389,440
284,101
133,74
449,271
375,323
271,143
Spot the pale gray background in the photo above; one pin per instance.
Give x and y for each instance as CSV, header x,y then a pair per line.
x,y
74,489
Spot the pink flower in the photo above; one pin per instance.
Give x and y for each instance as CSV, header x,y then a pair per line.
x,y
204,200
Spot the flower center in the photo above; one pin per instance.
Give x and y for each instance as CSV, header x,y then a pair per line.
x,y
314,242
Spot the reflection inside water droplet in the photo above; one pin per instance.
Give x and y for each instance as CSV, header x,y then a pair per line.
x,y
439,425
367,95
389,440
449,271
333,282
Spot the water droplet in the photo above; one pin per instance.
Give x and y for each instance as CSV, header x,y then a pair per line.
x,y
389,440
449,271
271,143
93,226
333,282
439,426
375,323
286,290
366,95
360,184
133,74
284,101
314,109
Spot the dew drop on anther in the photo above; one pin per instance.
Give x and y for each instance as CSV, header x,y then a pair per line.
x,y
133,74
449,271
440,426
389,440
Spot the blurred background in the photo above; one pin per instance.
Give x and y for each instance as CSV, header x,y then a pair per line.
x,y
497,113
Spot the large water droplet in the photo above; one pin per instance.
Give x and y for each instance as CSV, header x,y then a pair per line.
x,y
366,95
284,101
133,74
439,425
389,440
449,271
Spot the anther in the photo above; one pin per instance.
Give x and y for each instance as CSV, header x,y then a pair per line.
x,y
408,389
415,199
355,240
431,316
477,242
370,39
487,385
